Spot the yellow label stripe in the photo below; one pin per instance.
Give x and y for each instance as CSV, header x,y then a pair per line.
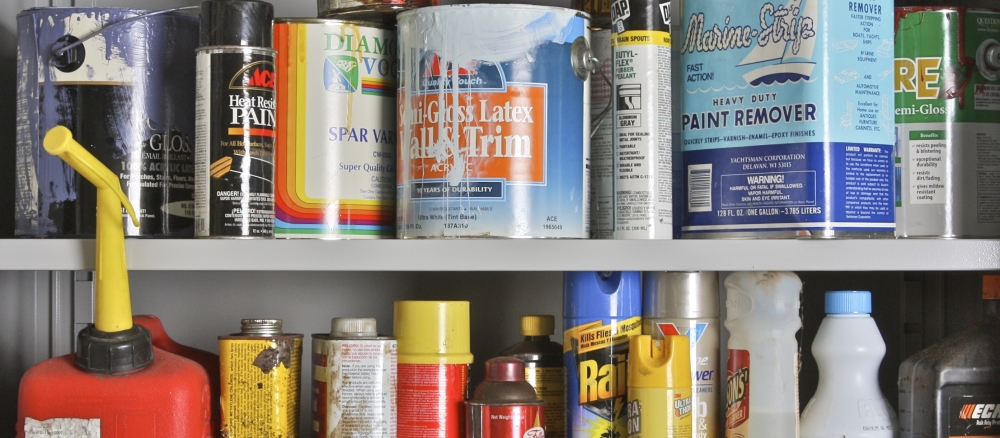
x,y
642,37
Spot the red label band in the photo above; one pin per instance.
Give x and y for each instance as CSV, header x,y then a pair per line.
x,y
430,400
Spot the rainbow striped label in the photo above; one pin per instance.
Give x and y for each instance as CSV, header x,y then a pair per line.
x,y
335,163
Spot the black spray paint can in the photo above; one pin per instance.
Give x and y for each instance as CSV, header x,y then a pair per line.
x,y
235,121
126,91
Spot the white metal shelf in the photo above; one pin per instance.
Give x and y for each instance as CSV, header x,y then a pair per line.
x,y
511,255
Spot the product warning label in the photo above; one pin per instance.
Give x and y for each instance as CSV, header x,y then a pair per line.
x,y
63,428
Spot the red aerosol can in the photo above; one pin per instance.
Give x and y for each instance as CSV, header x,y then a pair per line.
x,y
117,385
504,405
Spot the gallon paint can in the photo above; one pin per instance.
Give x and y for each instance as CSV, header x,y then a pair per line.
x,y
494,122
335,162
260,369
602,143
434,359
354,381
126,93
235,110
601,311
643,152
948,122
787,120
504,405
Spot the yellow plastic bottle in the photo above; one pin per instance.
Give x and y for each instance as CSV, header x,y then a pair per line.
x,y
659,387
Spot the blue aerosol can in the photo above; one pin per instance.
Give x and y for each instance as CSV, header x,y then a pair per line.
x,y
601,311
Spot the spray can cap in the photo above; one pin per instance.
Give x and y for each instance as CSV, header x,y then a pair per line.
x,y
505,369
538,325
236,23
602,294
659,363
432,332
680,294
353,327
847,302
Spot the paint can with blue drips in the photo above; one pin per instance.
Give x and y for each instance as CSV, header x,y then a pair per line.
x,y
124,84
601,312
787,118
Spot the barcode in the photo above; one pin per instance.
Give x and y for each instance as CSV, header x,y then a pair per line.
x,y
201,225
699,188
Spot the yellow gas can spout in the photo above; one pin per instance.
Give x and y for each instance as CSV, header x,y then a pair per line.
x,y
113,305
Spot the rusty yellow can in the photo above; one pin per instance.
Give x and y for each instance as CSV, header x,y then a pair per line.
x,y
260,369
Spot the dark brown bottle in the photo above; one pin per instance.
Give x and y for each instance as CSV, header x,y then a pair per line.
x,y
952,388
543,369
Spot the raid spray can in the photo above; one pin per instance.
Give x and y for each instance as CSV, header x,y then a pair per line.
x,y
659,387
601,312
504,405
234,121
543,369
260,369
643,149
434,358
687,303
354,381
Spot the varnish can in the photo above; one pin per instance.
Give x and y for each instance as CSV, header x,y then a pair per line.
x,y
434,358
504,405
260,369
354,381
336,146
947,122
602,143
235,117
125,87
493,121
787,118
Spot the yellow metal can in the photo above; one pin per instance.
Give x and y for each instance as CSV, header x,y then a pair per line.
x,y
659,387
260,369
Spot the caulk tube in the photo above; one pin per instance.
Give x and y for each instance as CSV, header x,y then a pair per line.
x,y
659,387
601,312
687,303
643,134
433,371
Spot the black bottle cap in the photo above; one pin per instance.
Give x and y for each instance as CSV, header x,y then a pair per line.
x,y
236,23
114,353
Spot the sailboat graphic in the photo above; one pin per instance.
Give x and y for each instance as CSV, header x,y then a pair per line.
x,y
778,62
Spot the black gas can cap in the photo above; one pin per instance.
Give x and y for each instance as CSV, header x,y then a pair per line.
x,y
114,353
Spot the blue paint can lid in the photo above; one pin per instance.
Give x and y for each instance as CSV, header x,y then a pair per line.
x,y
842,302
602,294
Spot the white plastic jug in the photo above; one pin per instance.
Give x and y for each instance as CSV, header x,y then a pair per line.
x,y
848,349
762,316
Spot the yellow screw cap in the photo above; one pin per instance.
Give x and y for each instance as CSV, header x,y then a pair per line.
x,y
432,332
538,325
659,363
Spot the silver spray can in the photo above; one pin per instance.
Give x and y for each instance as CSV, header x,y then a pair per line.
x,y
643,146
602,143
687,303
354,381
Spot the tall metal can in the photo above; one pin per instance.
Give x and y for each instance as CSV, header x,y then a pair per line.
x,y
643,151
260,369
687,303
602,143
659,386
494,137
354,381
125,87
235,118
335,157
601,311
434,359
787,120
504,405
948,122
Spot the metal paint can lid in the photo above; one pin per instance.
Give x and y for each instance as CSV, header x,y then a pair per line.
x,y
538,325
432,332
236,23
353,327
260,327
687,295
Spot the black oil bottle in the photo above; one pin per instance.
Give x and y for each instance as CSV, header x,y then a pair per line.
x,y
952,388
543,369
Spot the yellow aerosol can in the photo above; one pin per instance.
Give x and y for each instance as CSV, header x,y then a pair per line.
x,y
659,387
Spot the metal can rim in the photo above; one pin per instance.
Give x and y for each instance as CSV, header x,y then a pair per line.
x,y
236,49
308,20
492,6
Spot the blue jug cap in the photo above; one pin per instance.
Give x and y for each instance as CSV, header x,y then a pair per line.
x,y
840,302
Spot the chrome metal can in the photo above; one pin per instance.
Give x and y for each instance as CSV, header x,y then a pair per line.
x,y
379,11
335,154
494,122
